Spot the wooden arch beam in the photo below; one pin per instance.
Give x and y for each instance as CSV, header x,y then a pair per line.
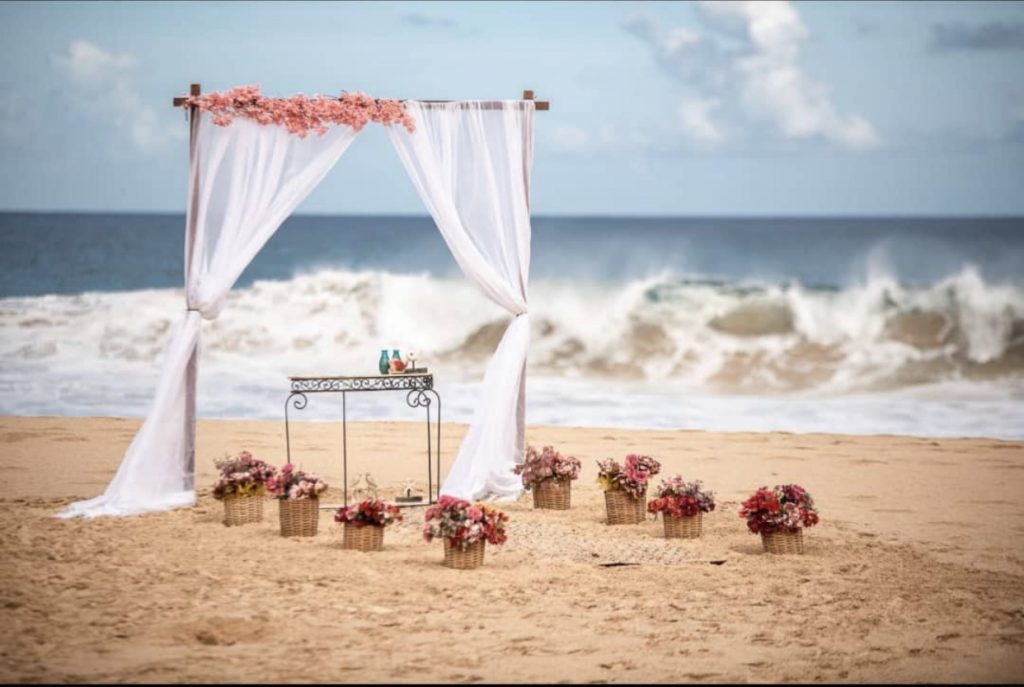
x,y
541,105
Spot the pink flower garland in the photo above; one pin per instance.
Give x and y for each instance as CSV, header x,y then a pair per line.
x,y
300,114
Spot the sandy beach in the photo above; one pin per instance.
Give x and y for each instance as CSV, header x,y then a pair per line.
x,y
915,574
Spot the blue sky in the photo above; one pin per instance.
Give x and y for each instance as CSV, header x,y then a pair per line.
x,y
658,108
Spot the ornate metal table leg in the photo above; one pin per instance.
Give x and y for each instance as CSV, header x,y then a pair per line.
x,y
299,403
344,446
417,398
437,396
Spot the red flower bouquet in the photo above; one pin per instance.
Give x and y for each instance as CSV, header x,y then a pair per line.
x,y
369,513
465,527
679,499
682,505
365,522
780,515
783,507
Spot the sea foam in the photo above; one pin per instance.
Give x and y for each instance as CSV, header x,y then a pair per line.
x,y
959,340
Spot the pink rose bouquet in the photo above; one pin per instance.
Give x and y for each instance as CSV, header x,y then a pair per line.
x,y
299,114
783,507
242,475
291,484
679,499
369,513
631,477
547,464
462,523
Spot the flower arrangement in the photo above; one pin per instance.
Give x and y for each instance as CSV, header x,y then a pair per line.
x,y
631,477
546,464
784,507
679,499
299,114
242,475
292,485
462,523
365,522
369,513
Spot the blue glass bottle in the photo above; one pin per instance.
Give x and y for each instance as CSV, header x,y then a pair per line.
x,y
383,365
395,356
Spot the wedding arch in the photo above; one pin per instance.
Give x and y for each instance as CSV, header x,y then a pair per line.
x,y
252,160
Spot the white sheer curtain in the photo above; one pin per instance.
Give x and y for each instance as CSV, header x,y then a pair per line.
x,y
249,178
470,162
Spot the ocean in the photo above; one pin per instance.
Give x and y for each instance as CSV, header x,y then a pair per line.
x,y
854,325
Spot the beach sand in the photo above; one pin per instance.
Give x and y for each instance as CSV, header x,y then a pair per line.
x,y
916,572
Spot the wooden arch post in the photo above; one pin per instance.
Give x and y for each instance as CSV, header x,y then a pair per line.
x,y
191,371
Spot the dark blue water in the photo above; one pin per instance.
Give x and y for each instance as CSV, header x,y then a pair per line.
x,y
63,253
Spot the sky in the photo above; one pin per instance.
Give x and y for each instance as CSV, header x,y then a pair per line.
x,y
657,108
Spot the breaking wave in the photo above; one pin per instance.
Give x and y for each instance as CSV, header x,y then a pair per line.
x,y
712,336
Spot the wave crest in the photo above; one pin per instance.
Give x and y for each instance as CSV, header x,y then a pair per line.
x,y
705,335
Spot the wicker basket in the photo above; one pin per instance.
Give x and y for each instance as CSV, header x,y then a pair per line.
x,y
553,494
365,538
623,509
299,517
472,557
241,510
783,541
686,527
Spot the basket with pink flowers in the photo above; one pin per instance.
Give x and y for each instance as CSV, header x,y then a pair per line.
x,y
465,528
780,515
682,506
549,474
365,522
625,487
241,486
298,499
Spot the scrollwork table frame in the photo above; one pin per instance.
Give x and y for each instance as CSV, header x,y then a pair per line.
x,y
418,387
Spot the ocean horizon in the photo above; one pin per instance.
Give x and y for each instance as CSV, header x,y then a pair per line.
x,y
862,325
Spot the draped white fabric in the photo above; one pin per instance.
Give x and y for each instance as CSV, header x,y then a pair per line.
x,y
250,178
470,162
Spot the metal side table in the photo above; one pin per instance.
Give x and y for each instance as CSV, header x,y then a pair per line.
x,y
418,387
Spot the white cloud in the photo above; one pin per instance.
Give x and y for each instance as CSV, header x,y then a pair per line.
x,y
604,139
771,81
695,115
680,38
102,87
569,139
746,65
90,67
